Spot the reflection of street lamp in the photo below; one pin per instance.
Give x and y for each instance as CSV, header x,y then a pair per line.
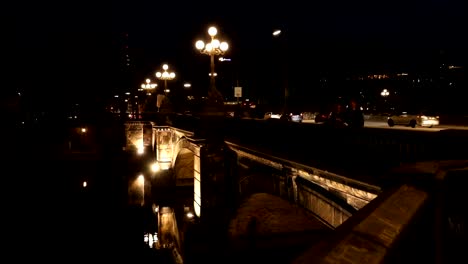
x,y
213,48
141,182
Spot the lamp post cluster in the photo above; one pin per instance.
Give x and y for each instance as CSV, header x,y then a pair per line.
x,y
213,48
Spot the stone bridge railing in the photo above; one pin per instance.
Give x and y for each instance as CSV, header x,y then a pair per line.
x,y
420,219
331,197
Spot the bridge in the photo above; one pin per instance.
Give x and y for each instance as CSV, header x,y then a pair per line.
x,y
377,190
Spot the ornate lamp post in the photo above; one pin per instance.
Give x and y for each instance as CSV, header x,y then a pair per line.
x,y
210,127
148,85
165,76
213,48
385,93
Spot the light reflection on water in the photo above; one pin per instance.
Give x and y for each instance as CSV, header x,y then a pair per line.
x,y
151,239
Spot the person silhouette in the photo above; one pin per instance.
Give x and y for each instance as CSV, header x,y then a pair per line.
x,y
337,117
354,116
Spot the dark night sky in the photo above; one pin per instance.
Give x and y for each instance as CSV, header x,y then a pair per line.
x,y
70,49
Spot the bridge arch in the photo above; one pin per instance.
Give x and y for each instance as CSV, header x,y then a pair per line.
x,y
184,167
186,163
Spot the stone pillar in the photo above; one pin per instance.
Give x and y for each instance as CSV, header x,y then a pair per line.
x,y
210,127
213,187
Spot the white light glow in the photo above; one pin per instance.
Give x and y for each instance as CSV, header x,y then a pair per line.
x,y
155,167
139,146
224,46
165,165
276,32
141,180
215,43
199,44
140,150
212,31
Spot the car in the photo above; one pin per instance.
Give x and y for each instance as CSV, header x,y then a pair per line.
x,y
321,117
295,117
422,119
273,115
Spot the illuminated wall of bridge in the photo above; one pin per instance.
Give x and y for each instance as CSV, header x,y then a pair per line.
x,y
176,149
331,197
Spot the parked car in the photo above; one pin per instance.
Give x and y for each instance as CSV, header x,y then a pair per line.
x,y
423,119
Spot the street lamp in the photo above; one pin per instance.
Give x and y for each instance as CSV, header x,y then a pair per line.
x,y
385,93
212,49
284,66
148,85
165,76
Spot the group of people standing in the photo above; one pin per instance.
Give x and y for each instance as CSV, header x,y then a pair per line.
x,y
346,116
